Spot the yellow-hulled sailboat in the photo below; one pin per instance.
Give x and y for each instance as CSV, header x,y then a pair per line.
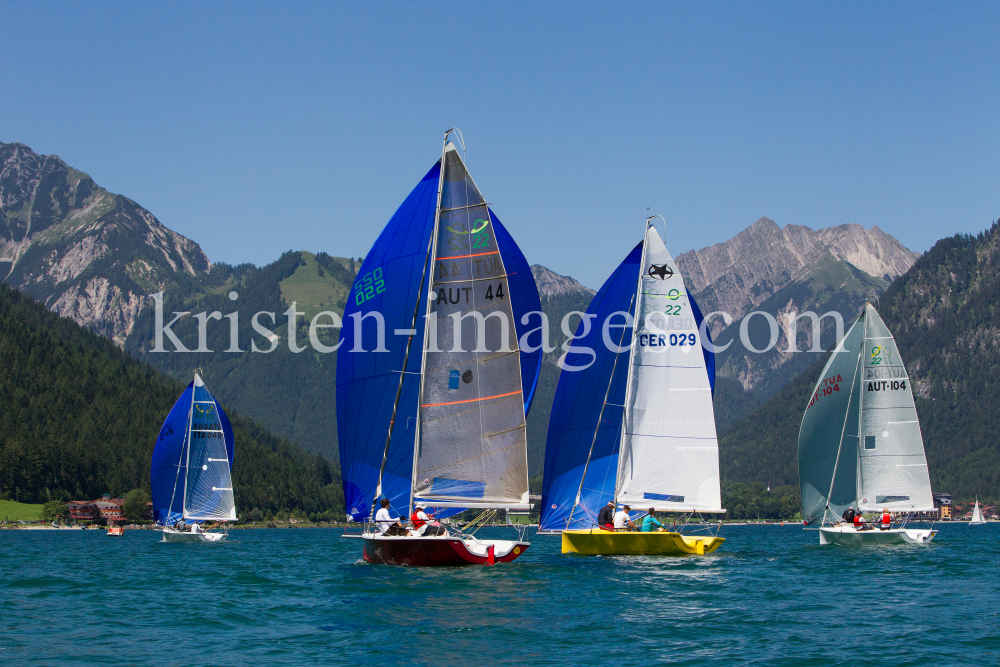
x,y
633,420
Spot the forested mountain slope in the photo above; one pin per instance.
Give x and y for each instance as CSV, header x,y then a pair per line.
x,y
80,418
945,315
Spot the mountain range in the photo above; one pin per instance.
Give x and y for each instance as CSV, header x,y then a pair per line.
x,y
96,257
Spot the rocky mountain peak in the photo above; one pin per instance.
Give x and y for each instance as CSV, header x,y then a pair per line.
x,y
552,285
746,270
85,252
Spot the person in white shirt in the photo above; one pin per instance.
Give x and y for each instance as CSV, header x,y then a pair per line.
x,y
386,524
424,524
622,520
195,528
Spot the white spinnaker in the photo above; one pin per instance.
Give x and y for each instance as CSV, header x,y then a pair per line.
x,y
208,488
893,469
669,457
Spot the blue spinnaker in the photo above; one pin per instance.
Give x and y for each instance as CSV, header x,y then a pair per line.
x,y
167,470
705,349
577,406
386,287
524,299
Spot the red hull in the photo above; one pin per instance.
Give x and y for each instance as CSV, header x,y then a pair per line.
x,y
431,551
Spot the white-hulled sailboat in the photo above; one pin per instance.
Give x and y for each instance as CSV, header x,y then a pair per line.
x,y
977,515
860,444
191,470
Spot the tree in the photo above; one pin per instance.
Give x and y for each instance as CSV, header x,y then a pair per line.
x,y
54,508
134,508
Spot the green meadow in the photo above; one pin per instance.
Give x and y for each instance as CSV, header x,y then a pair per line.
x,y
12,511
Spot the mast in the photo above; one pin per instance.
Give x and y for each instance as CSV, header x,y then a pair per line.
x,y
861,407
631,369
431,258
187,462
600,415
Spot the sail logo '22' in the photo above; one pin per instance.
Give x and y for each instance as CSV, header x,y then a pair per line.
x,y
368,286
880,351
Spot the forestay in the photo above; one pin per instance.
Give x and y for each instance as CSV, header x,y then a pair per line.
x,y
893,468
669,450
472,446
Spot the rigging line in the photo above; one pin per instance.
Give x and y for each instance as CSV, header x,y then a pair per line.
x,y
399,389
467,280
600,415
453,415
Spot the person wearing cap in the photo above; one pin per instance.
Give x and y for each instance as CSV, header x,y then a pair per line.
x,y
622,520
423,523
859,522
649,522
606,517
848,515
386,524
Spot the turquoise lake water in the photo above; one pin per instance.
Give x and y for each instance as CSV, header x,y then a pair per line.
x,y
769,596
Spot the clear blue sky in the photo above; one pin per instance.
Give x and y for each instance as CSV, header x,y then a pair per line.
x,y
257,128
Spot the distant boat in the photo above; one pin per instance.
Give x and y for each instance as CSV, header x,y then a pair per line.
x,y
977,515
637,426
191,470
860,444
421,423
117,531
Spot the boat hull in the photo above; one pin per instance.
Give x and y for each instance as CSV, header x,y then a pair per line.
x,y
848,536
612,543
438,550
170,535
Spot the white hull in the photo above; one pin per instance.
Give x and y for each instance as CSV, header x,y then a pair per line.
x,y
850,537
171,535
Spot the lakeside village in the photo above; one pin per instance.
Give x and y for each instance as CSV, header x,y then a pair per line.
x,y
138,513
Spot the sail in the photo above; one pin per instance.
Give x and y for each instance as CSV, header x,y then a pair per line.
x,y
893,469
208,488
524,299
576,410
169,456
387,286
831,418
669,454
472,447
977,516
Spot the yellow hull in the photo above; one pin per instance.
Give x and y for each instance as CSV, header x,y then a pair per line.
x,y
608,543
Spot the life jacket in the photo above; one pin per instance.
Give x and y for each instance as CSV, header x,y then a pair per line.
x,y
886,518
858,520
417,523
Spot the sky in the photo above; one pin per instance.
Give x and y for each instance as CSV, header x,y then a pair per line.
x,y
255,128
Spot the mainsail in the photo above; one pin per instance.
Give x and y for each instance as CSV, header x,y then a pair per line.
x,y
392,285
669,450
669,454
171,456
472,445
859,441
977,515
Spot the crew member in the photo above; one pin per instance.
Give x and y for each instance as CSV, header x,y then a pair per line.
x,y
606,517
649,522
848,515
424,524
386,524
622,520
886,519
859,521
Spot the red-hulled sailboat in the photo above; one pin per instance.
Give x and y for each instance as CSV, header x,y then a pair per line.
x,y
439,421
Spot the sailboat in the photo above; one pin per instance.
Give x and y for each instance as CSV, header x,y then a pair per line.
x,y
432,386
860,444
977,515
191,470
633,419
